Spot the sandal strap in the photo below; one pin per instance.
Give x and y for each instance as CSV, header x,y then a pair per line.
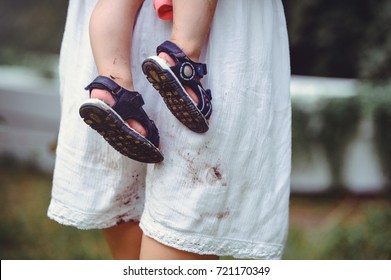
x,y
102,82
183,62
128,104
189,73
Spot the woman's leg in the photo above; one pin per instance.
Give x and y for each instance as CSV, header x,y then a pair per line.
x,y
192,21
111,32
124,241
153,250
191,25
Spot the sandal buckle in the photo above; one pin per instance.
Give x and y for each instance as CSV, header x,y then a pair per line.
x,y
116,91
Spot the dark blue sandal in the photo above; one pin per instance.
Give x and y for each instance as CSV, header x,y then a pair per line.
x,y
170,82
110,122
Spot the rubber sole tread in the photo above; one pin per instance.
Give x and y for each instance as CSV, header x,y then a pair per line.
x,y
120,136
176,99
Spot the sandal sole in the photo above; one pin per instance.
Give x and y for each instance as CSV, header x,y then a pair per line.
x,y
117,133
174,95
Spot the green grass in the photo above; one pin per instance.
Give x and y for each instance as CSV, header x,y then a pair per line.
x,y
25,230
346,228
320,227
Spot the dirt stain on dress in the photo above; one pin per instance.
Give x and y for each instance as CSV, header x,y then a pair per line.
x,y
217,173
215,176
120,219
223,214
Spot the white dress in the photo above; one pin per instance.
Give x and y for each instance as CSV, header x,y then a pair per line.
x,y
225,192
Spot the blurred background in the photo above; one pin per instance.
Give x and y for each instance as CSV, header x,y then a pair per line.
x,y
341,169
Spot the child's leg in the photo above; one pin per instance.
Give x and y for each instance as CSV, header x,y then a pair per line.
x,y
191,24
192,20
111,32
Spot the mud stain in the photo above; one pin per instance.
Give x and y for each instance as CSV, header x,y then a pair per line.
x,y
120,219
203,148
215,176
159,165
193,172
127,202
115,78
129,195
223,215
217,173
219,215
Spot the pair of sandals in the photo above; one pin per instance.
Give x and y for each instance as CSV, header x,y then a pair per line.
x,y
110,122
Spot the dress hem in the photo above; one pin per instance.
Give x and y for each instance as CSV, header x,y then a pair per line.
x,y
85,221
209,245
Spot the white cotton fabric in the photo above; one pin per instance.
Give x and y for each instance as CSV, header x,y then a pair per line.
x,y
224,192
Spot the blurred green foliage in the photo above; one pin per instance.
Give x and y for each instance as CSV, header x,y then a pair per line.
x,y
333,123
30,27
350,38
346,228
331,127
382,119
340,120
25,230
382,128
368,239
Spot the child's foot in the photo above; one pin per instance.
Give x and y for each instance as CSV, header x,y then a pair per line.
x,y
171,62
117,115
106,96
177,78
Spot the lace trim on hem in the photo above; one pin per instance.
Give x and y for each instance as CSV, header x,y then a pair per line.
x,y
86,221
207,245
